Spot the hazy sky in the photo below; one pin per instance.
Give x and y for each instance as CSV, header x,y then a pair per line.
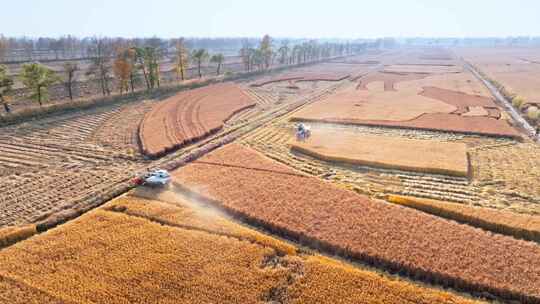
x,y
291,18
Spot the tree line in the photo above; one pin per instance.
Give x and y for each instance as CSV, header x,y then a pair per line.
x,y
133,62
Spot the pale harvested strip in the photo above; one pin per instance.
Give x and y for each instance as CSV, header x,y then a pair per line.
x,y
135,250
426,156
517,225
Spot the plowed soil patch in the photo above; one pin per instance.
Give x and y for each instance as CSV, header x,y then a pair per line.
x,y
190,116
389,236
386,152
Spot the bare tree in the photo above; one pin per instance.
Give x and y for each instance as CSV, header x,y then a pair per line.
x,y
148,61
218,59
245,54
101,66
182,59
70,68
284,53
266,51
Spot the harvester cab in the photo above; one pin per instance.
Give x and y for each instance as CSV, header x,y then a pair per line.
x,y
155,178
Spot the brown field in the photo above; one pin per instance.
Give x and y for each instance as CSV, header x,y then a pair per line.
x,y
428,107
423,68
184,254
517,69
357,105
304,208
387,152
333,72
516,225
458,99
463,82
390,79
190,116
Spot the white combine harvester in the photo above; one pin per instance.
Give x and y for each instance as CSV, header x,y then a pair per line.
x,y
303,132
154,178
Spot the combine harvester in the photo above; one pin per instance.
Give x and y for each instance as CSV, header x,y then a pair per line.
x,y
155,178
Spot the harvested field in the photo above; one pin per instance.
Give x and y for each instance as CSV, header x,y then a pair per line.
x,y
352,104
463,82
266,81
190,116
390,79
490,186
184,254
423,68
77,160
458,99
519,226
514,170
431,109
49,164
304,208
292,79
514,68
121,131
273,142
332,72
303,76
476,111
387,152
453,123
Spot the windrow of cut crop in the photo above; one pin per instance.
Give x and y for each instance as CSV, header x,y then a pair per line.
x,y
338,221
11,235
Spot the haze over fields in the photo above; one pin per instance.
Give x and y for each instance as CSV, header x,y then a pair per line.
x,y
280,18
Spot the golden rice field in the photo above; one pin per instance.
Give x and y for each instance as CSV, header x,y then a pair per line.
x,y
142,251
